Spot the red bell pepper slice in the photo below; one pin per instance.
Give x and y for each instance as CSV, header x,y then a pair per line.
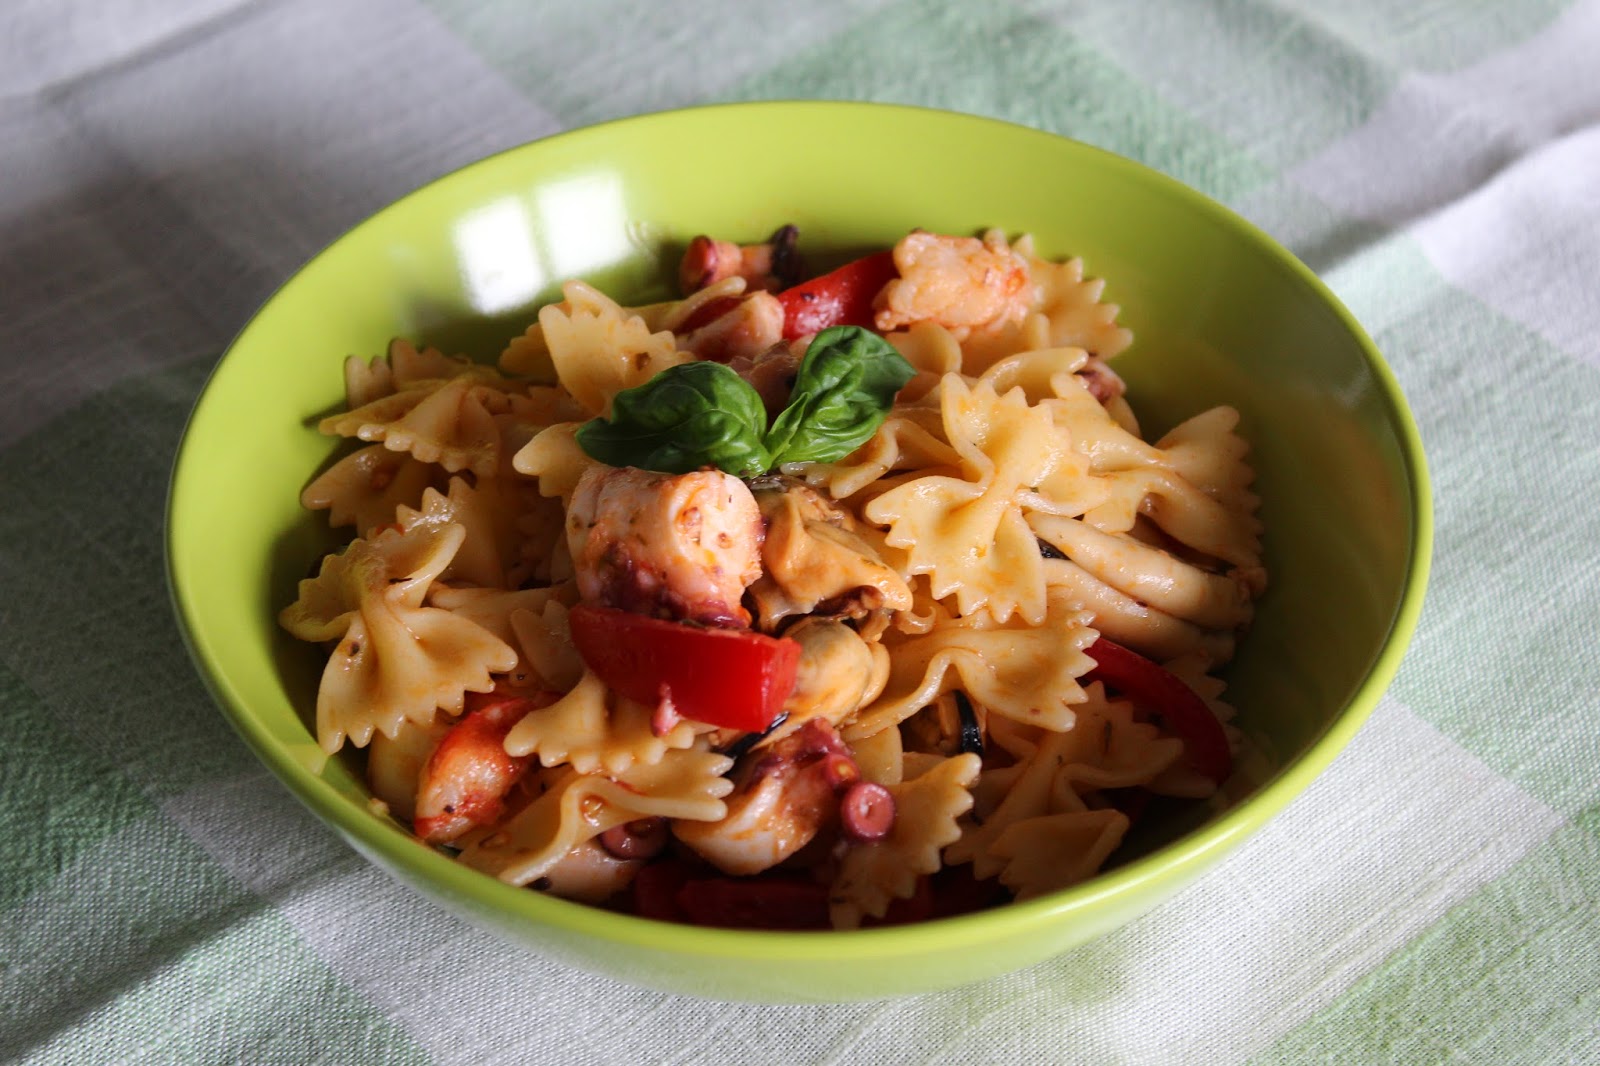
x,y
1204,743
725,677
755,903
840,298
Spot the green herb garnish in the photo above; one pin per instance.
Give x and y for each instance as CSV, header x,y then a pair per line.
x,y
699,414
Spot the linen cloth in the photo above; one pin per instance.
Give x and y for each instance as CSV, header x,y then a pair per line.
x,y
1434,897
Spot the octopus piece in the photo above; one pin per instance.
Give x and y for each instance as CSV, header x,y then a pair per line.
x,y
772,371
960,283
753,325
782,798
772,265
677,546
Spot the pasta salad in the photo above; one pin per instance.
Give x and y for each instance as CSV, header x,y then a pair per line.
x,y
796,602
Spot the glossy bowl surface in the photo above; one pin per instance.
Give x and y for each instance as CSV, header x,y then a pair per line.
x,y
1220,314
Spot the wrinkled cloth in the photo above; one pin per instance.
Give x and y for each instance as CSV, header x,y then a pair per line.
x,y
1434,896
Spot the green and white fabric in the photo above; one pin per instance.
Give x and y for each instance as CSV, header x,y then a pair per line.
x,y
164,163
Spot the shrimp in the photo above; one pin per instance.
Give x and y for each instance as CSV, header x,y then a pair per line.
x,y
960,283
781,799
682,547
466,779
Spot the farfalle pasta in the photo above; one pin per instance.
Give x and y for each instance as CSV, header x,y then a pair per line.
x,y
793,602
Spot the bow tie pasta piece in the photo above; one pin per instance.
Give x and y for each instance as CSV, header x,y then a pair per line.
x,y
530,414
927,806
1207,452
1117,751
579,807
968,534
1184,781
1127,621
1049,378
545,639
932,351
593,730
1071,304
556,459
1057,850
1104,748
451,424
1149,574
395,660
1183,513
488,513
910,438
496,610
404,367
542,556
529,353
1024,672
598,348
366,487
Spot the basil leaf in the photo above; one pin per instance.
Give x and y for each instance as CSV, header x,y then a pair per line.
x,y
686,417
845,387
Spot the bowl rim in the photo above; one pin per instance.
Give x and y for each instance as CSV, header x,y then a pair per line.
x,y
1184,856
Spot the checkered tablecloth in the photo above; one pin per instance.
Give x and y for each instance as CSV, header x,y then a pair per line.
x,y
164,163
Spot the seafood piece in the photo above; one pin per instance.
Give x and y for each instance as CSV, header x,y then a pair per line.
x,y
814,561
782,798
838,674
466,779
960,283
750,327
772,265
675,546
589,874
771,372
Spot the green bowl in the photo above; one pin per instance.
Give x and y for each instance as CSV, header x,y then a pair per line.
x,y
1220,314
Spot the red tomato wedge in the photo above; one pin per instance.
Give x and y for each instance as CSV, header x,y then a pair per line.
x,y
1148,684
726,677
840,298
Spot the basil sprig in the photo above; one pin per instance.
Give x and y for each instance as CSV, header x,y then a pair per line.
x,y
701,413
680,420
